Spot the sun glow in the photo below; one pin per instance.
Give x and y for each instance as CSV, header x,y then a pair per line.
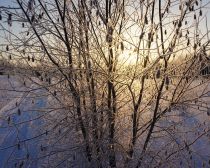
x,y
128,57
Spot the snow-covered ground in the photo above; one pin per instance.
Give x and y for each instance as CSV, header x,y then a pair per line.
x,y
26,139
29,135
182,137
19,113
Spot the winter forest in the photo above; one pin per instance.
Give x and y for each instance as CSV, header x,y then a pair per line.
x,y
104,83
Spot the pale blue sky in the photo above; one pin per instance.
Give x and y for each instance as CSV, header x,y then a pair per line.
x,y
13,3
7,2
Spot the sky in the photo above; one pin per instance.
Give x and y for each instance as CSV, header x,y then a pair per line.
x,y
13,2
7,2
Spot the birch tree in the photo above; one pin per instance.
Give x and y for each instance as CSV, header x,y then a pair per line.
x,y
119,73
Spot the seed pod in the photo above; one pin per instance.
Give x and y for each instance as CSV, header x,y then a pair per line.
x,y
180,34
49,81
40,17
54,93
122,46
158,74
28,58
180,7
165,32
149,35
196,2
0,16
135,49
9,20
186,36
167,80
146,20
37,73
19,112
32,59
195,16
187,3
8,120
123,16
10,57
32,18
142,35
195,46
208,111
18,146
30,5
180,24
188,42
167,10
185,22
7,48
186,79
41,148
152,39
23,25
200,13
89,64
108,38
97,13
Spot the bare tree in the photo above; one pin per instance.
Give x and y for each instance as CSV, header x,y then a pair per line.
x,y
121,78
